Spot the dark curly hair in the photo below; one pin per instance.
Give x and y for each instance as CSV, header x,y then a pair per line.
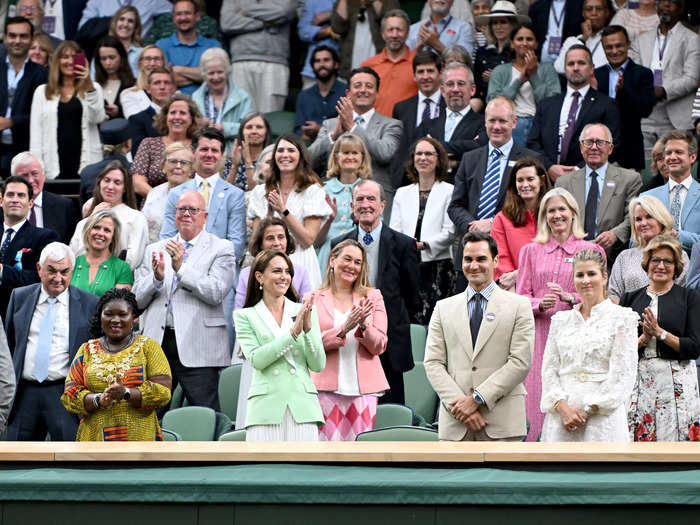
x,y
113,294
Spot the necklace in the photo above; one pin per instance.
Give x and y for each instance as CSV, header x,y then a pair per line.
x,y
112,370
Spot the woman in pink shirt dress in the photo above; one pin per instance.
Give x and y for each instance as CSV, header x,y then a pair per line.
x,y
545,276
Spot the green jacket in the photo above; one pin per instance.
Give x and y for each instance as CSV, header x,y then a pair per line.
x,y
280,364
545,82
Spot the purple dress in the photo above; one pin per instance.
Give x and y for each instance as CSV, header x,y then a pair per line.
x,y
540,264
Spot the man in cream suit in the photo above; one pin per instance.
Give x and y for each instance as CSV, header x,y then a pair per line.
x,y
356,114
603,191
672,52
479,351
181,283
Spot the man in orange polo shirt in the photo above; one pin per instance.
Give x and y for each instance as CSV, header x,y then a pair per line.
x,y
394,64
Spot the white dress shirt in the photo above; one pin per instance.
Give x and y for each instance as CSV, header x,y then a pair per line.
x,y
566,106
58,358
434,107
457,116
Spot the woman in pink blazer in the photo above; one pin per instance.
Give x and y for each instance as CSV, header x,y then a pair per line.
x,y
353,325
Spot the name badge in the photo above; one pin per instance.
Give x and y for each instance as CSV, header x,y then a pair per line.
x,y
221,195
490,316
568,259
658,80
610,184
554,45
511,163
49,25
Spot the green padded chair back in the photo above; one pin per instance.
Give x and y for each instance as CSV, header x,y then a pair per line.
x,y
419,335
191,423
420,395
169,435
393,415
281,122
399,433
229,382
236,435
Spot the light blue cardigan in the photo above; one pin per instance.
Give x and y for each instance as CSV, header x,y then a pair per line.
x,y
237,105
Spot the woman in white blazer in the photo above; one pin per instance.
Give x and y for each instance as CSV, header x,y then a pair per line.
x,y
65,114
420,211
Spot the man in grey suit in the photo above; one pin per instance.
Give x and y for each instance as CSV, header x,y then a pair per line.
x,y
7,381
603,191
182,283
672,52
356,114
46,323
693,281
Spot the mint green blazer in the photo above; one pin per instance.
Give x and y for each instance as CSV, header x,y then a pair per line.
x,y
281,365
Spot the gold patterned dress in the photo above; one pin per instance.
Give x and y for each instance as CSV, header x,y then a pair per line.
x,y
94,369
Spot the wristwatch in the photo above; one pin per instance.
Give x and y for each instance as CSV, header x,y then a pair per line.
x,y
285,212
127,395
663,335
478,399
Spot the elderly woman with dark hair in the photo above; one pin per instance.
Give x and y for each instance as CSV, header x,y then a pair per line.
x,y
177,121
222,103
516,224
254,134
119,378
665,404
294,193
420,211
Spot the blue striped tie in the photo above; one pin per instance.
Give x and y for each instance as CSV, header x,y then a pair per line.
x,y
489,191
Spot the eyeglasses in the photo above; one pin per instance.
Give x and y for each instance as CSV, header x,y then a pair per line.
x,y
176,162
588,143
657,261
184,210
425,154
451,84
29,9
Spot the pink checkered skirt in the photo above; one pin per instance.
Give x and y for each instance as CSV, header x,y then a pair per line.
x,y
346,416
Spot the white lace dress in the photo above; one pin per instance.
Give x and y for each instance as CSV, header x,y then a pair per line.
x,y
308,203
590,362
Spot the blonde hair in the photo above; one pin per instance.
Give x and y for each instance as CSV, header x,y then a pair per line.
x,y
664,241
543,231
174,148
361,284
653,207
590,255
55,81
350,139
142,79
92,220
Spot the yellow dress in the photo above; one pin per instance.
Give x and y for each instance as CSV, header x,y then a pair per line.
x,y
94,369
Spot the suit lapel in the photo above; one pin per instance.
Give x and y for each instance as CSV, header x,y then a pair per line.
x,y
23,319
691,200
74,317
579,192
460,316
489,323
607,190
18,241
385,246
215,201
588,101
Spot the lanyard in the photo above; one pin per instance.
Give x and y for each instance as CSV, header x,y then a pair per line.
x,y
447,23
51,3
558,19
213,113
662,50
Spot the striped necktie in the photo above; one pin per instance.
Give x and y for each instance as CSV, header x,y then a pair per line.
x,y
489,191
676,207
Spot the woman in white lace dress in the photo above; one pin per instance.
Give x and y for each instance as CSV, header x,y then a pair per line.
x,y
590,362
293,192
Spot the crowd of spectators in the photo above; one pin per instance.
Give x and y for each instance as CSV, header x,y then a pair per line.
x,y
519,178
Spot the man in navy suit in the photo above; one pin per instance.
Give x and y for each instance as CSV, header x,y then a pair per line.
x,y
554,21
426,105
467,209
559,119
18,80
458,127
43,347
49,210
21,242
161,84
631,86
392,263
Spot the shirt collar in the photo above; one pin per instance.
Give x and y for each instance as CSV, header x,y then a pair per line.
x,y
435,97
62,297
211,180
17,227
600,171
39,200
462,113
367,115
333,185
505,149
583,91
569,245
685,182
486,292
192,241
7,61
622,66
176,41
374,233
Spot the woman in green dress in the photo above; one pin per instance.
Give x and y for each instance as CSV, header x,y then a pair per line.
x,y
99,268
118,379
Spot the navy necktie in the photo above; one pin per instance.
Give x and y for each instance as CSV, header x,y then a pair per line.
x,y
591,208
367,239
427,114
476,317
6,243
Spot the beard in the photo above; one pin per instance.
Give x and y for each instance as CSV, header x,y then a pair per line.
x,y
324,75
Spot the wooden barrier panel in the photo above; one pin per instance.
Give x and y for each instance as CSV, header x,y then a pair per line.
x,y
351,452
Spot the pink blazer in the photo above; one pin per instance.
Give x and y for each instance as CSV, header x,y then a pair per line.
x,y
372,342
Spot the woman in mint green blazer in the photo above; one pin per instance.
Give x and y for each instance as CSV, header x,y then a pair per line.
x,y
282,341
